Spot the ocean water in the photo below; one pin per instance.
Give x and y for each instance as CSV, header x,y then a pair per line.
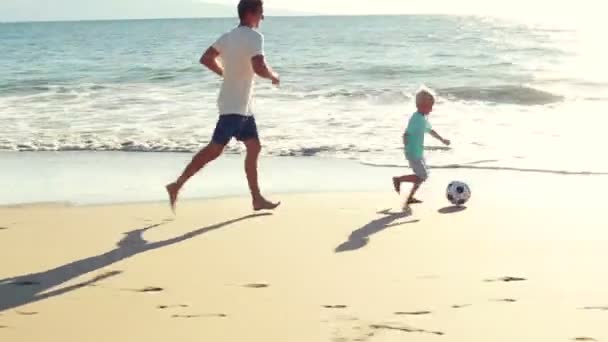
x,y
511,94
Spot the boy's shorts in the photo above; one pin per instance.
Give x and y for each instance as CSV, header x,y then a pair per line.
x,y
419,167
237,126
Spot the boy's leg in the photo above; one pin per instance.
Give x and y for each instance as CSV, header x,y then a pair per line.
x,y
421,175
410,198
403,179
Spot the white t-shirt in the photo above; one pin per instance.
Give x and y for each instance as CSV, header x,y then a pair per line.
x,y
236,49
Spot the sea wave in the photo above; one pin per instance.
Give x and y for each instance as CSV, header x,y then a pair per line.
x,y
165,146
27,88
37,85
389,95
391,71
505,94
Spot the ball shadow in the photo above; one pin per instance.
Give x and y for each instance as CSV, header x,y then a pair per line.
x,y
452,209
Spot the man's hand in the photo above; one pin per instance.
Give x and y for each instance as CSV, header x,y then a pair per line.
x,y
446,142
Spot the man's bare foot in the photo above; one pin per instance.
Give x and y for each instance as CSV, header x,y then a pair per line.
x,y
413,201
172,190
397,185
263,204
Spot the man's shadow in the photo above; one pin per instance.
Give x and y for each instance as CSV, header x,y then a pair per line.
x,y
26,289
360,237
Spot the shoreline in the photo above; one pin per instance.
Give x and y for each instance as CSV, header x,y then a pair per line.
x,y
106,178
101,178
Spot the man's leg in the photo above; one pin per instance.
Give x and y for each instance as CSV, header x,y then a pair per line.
x,y
251,170
225,129
204,156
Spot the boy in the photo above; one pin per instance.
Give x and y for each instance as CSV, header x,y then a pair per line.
x,y
413,139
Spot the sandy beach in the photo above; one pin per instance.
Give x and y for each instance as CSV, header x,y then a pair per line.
x,y
98,116
325,267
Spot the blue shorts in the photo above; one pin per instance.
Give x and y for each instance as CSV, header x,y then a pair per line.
x,y
237,126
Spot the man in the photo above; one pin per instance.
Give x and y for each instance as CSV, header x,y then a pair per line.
x,y
242,56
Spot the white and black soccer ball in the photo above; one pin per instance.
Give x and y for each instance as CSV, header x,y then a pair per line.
x,y
458,193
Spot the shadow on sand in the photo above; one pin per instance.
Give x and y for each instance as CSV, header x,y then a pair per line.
x,y
26,289
360,237
452,209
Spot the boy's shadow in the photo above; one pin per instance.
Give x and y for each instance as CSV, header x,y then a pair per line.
x,y
30,288
360,237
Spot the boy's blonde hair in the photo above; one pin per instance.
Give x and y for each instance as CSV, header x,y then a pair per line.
x,y
424,93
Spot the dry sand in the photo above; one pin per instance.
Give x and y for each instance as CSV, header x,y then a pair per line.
x,y
325,267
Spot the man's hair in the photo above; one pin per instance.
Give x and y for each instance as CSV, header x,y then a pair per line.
x,y
424,93
249,6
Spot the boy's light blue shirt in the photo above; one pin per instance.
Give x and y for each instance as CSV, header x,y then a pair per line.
x,y
417,127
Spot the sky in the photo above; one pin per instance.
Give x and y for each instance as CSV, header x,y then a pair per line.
x,y
526,8
579,11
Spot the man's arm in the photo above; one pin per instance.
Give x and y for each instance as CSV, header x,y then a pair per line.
x,y
436,135
263,70
209,59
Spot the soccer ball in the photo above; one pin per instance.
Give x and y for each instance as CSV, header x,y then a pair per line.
x,y
458,193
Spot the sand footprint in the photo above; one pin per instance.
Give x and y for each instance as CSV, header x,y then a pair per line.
x,y
504,300
220,315
429,277
412,313
149,289
335,306
599,308
505,280
584,339
461,306
404,329
162,307
188,316
256,286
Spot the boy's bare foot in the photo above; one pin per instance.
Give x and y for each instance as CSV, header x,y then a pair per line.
x,y
172,190
263,204
397,185
414,201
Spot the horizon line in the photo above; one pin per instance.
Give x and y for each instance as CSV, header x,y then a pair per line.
x,y
235,17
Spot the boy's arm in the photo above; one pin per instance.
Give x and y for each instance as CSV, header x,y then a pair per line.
x,y
209,59
436,135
